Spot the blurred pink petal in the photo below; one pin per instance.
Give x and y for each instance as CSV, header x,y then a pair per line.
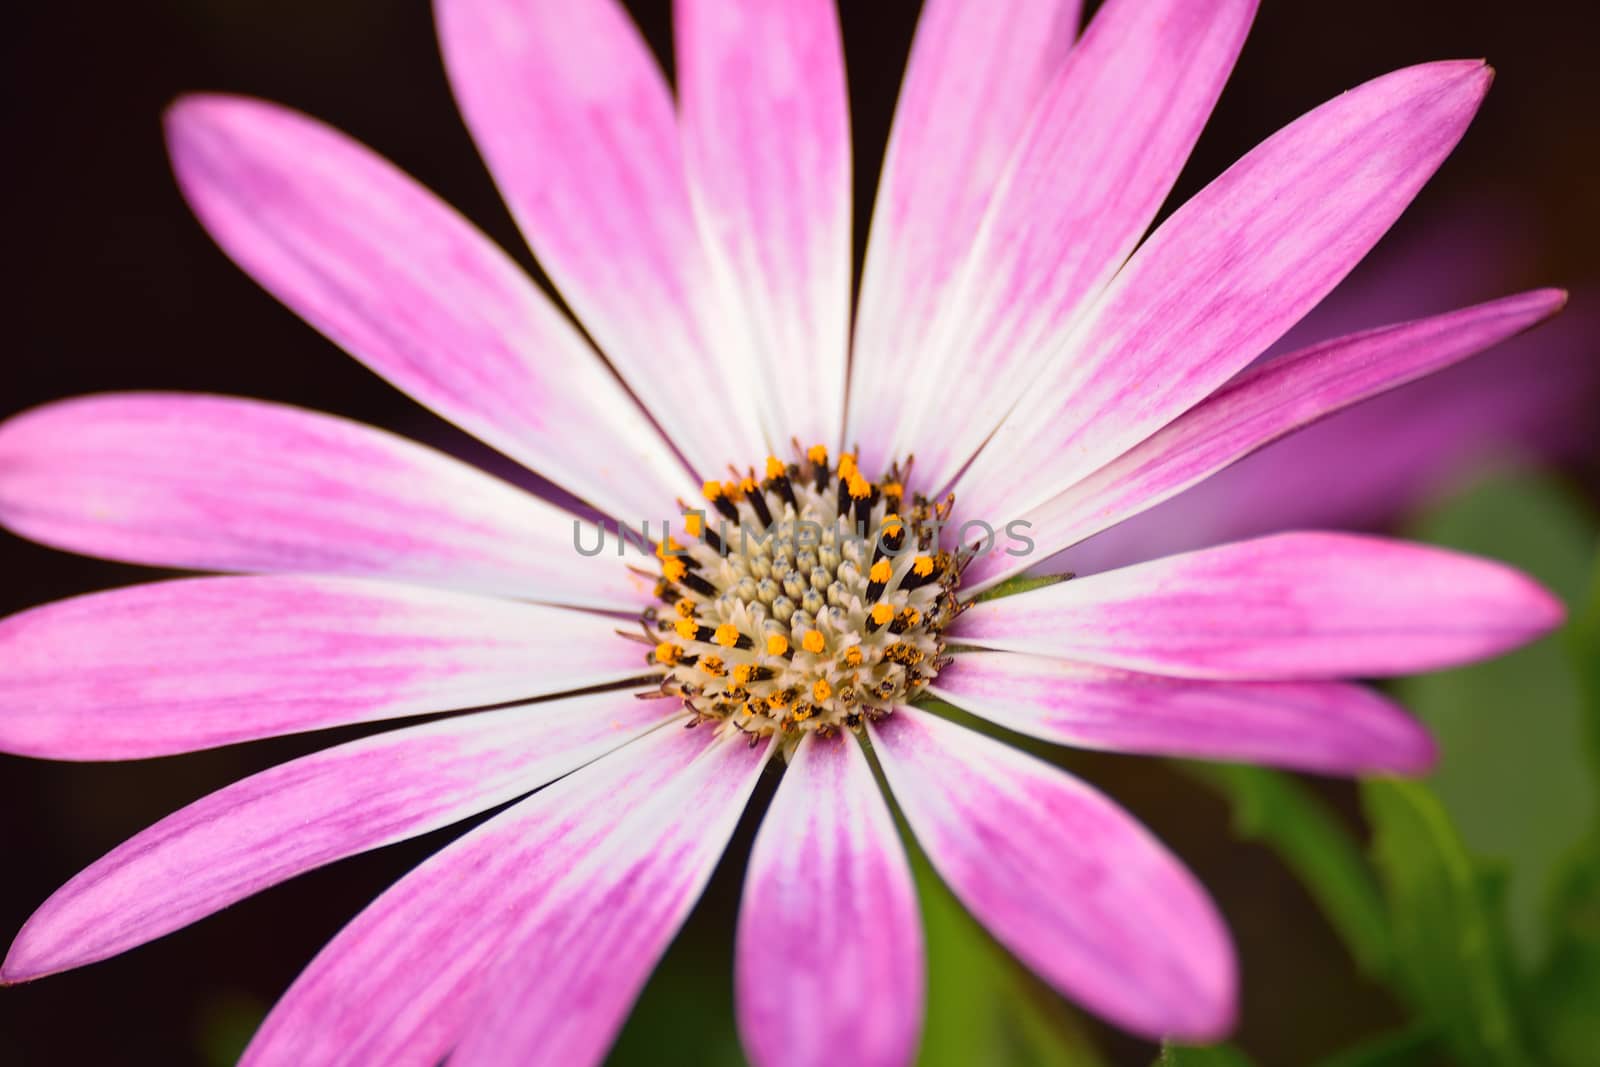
x,y
975,76
1225,276
766,134
1099,156
399,984
1326,727
217,483
409,287
1256,409
1063,878
577,125
829,950
177,666
1297,605
312,811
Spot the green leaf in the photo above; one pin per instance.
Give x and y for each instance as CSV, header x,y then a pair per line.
x,y
1566,989
1410,1047
1450,956
1512,773
1210,1056
983,1007
1308,837
1022,583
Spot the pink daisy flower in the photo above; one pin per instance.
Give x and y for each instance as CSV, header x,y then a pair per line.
x,y
1046,363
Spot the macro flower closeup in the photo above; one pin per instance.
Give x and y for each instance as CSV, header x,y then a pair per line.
x,y
833,482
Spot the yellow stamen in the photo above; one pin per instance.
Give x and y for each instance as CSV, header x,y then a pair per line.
x,y
894,489
817,454
674,569
727,635
852,655
882,613
712,490
812,641
741,674
847,466
892,524
821,691
922,566
686,628
667,652
775,467
777,644
694,523
910,616
733,491
747,486
669,545
684,608
881,571
860,488
713,666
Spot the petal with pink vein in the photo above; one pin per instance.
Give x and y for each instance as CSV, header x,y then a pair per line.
x,y
313,811
401,982
766,134
829,957
1325,727
1261,406
178,666
975,75
576,122
1064,878
1226,275
1296,605
396,277
219,483
1098,158
574,963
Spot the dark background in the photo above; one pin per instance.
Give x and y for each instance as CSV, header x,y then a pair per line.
x,y
113,285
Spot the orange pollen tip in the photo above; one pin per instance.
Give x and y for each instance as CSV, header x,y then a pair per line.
x,y
693,523
922,566
847,466
674,569
733,491
686,628
727,635
852,655
669,545
747,486
860,488
817,454
741,673
712,490
775,467
777,645
893,489
812,641
881,571
667,652
821,691
882,613
892,523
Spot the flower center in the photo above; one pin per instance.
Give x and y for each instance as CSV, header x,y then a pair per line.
x,y
808,599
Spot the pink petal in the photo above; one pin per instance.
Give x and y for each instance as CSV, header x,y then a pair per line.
x,y
392,274
1065,879
1327,727
177,666
218,483
576,122
766,139
1257,409
312,811
1297,605
1098,158
398,985
976,73
575,962
1224,277
830,964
